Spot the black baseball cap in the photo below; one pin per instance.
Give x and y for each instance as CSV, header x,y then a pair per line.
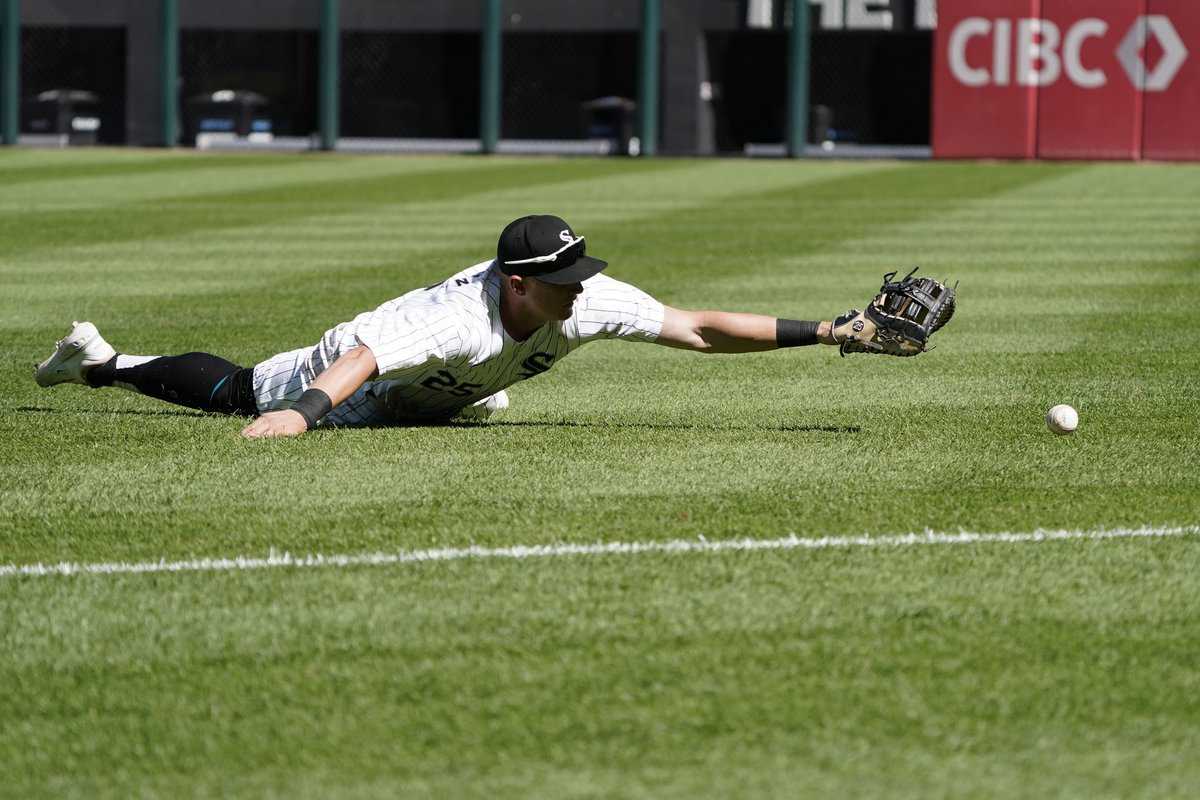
x,y
543,246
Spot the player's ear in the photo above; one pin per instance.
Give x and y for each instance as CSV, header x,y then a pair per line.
x,y
517,284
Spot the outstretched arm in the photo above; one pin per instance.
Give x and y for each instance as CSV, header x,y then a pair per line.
x,y
728,332
342,379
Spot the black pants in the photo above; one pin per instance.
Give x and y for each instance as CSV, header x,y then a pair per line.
x,y
195,380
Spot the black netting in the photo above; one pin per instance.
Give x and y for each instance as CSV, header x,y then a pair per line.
x,y
548,76
281,66
748,70
427,84
875,85
422,85
864,87
79,59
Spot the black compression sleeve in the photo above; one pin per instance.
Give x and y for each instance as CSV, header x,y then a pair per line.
x,y
795,332
196,380
313,405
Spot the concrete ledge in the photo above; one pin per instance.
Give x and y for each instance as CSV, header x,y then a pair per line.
x,y
831,150
565,147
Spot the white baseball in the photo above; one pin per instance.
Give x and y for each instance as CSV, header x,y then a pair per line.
x,y
1062,419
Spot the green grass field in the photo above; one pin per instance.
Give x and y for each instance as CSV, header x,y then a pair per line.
x,y
1051,669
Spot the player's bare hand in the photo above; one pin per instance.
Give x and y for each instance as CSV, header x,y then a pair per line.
x,y
276,423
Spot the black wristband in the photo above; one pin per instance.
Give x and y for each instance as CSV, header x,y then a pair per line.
x,y
795,332
313,405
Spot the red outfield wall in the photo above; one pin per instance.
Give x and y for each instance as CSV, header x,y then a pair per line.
x,y
1115,79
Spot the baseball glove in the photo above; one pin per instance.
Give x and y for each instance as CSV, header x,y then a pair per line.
x,y
900,320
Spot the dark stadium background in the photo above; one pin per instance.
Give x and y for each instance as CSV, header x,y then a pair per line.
x,y
412,69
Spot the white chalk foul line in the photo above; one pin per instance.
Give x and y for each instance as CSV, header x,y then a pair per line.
x,y
701,545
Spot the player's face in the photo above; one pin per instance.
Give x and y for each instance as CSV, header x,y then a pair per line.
x,y
552,301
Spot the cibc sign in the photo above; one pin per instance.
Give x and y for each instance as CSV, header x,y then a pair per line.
x,y
1113,79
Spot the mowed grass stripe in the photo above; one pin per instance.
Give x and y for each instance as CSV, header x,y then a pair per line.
x,y
138,192
1022,258
177,215
163,168
136,189
751,238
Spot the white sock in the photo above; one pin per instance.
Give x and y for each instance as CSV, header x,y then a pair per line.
x,y
125,362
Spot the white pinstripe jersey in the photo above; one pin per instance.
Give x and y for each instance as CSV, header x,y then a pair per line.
x,y
443,348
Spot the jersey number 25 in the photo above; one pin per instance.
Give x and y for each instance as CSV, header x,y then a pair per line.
x,y
445,382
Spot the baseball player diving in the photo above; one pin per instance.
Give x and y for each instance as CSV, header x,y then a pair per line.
x,y
448,352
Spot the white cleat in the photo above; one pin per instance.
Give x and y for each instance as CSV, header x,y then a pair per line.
x,y
82,349
483,409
